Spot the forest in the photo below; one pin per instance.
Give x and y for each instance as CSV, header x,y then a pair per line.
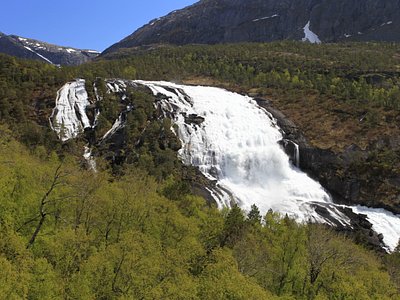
x,y
67,233
133,229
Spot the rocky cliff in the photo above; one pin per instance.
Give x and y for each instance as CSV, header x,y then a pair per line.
x,y
343,173
53,54
232,21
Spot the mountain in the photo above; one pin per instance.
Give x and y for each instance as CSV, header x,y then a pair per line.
x,y
233,21
33,49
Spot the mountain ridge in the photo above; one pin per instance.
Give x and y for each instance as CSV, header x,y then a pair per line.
x,y
34,49
223,21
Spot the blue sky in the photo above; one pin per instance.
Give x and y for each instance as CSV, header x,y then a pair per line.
x,y
85,24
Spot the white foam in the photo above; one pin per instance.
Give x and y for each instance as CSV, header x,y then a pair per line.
x,y
117,125
69,115
237,145
87,154
383,222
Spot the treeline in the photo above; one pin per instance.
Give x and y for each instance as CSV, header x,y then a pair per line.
x,y
66,233
358,73
363,75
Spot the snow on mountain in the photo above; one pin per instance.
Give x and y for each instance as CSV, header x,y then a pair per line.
x,y
310,36
237,21
33,49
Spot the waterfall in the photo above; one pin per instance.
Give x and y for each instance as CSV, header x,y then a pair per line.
x,y
69,117
237,146
233,142
296,155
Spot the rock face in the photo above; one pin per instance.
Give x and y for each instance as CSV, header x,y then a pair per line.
x,y
339,173
232,21
33,49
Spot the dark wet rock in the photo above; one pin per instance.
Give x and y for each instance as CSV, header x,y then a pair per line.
x,y
291,149
193,119
340,173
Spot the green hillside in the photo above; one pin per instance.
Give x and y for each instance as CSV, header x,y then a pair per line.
x,y
134,230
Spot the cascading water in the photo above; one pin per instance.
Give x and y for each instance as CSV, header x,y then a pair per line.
x,y
297,155
69,116
237,145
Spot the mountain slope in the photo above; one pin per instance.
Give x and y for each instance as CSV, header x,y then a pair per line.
x,y
33,49
231,21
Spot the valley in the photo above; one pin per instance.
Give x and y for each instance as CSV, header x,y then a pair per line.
x,y
239,149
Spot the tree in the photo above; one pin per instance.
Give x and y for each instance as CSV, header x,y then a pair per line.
x,y
254,216
44,203
233,227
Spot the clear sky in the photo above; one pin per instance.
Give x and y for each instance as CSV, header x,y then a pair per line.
x,y
85,24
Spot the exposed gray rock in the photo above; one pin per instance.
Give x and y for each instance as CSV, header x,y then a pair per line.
x,y
232,21
193,119
336,171
37,50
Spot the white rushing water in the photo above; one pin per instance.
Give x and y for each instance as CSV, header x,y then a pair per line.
x,y
237,145
69,115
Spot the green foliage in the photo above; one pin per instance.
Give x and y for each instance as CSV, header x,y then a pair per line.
x,y
122,239
142,235
356,73
254,216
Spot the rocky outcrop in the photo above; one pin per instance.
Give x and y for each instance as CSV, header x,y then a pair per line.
x,y
233,21
338,173
49,53
353,176
193,119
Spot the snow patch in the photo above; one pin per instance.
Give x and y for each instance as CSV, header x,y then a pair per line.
x,y
154,21
265,18
38,54
386,23
92,51
309,35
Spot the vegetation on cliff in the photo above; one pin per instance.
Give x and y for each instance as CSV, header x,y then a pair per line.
x,y
341,96
133,230
66,233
